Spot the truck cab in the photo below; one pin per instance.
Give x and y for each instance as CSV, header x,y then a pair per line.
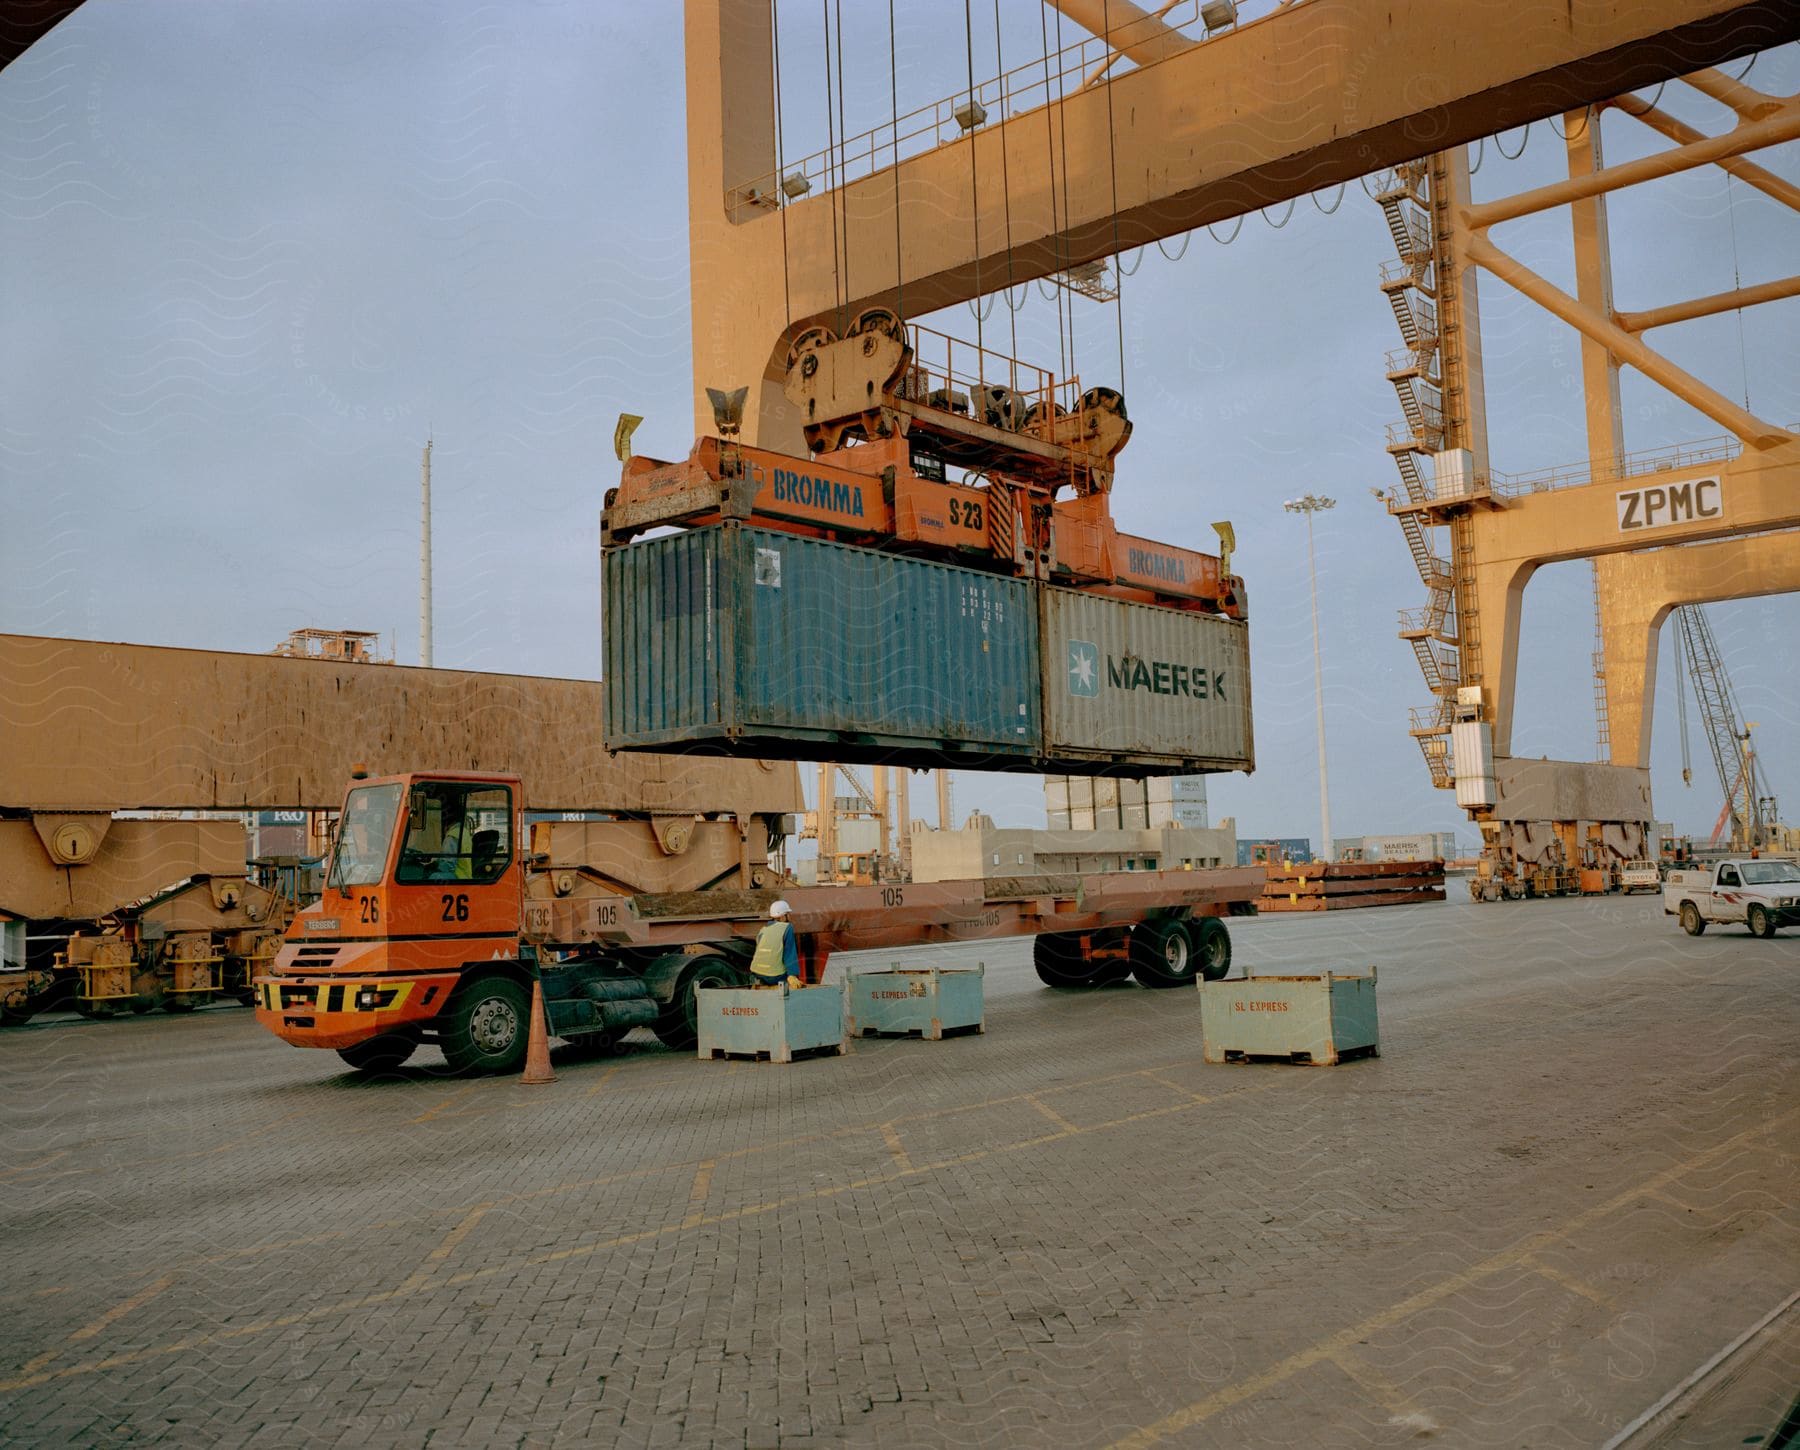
x,y
423,893
1759,893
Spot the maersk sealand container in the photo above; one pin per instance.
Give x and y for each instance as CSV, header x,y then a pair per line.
x,y
1133,689
734,640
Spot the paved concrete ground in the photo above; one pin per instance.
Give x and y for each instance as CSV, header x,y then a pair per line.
x,y
1569,1181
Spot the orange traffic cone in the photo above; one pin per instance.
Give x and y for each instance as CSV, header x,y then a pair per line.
x,y
537,1045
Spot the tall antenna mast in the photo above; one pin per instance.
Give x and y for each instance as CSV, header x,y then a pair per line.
x,y
425,557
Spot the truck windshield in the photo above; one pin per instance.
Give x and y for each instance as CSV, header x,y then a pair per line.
x,y
364,836
1767,873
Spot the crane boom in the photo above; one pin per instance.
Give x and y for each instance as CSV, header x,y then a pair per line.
x,y
1722,720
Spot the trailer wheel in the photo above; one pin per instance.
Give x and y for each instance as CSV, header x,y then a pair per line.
x,y
1062,961
1212,945
381,1054
488,1021
1691,920
679,1025
1162,954
1759,922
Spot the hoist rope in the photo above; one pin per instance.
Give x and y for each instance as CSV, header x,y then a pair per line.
x,y
974,182
1112,161
1065,311
894,121
1737,280
1005,180
787,294
843,165
837,276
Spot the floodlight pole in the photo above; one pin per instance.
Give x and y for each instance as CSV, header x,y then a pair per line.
x,y
1310,505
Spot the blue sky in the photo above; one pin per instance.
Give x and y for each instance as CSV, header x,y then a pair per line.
x,y
255,252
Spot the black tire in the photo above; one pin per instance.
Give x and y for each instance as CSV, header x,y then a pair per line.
x,y
1691,921
14,1017
1062,961
487,1026
176,1003
679,1025
1212,947
1759,922
380,1054
1163,955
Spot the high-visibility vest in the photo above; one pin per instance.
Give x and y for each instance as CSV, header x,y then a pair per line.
x,y
771,951
459,842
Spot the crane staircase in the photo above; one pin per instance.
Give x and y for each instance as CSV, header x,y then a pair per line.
x,y
1409,283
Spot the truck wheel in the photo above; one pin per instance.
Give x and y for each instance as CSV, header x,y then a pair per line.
x,y
1691,920
380,1054
1759,922
1062,961
489,1020
1162,954
1212,945
679,1025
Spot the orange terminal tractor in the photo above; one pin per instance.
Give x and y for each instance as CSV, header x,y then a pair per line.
x,y
438,914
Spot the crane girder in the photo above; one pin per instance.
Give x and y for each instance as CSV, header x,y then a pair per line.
x,y
1311,96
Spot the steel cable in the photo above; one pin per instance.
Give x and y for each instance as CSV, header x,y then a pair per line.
x,y
1524,141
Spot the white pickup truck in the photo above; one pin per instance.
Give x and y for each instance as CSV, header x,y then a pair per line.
x,y
1763,895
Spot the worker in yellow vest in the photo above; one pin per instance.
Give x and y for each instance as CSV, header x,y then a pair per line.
x,y
457,858
777,954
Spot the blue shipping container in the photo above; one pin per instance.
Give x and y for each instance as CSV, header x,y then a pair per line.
x,y
1276,849
737,640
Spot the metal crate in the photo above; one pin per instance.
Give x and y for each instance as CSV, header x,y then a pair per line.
x,y
1319,1020
930,1002
769,1022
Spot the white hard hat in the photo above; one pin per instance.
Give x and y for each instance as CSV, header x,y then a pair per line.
x,y
779,908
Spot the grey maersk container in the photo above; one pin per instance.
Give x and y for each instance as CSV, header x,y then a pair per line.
x,y
733,640
1130,689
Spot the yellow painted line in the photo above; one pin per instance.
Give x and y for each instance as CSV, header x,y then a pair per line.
x,y
1154,1076
1378,1386
120,1310
1346,1339
697,1193
890,1135
1568,1281
43,1359
1055,1117
446,1247
425,1285
605,1078
34,1166
455,1097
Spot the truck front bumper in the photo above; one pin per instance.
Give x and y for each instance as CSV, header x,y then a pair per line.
x,y
338,1012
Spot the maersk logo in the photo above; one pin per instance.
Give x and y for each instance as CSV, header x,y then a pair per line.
x,y
1084,668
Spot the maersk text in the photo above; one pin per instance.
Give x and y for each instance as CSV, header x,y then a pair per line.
x,y
1160,677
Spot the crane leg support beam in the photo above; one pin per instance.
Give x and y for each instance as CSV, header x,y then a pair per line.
x,y
1753,517
1637,592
